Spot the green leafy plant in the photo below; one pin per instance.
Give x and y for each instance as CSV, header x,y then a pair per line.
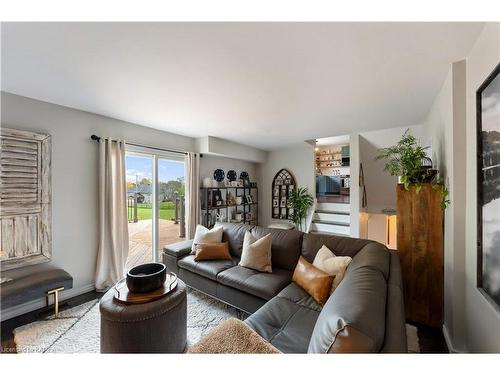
x,y
406,160
300,200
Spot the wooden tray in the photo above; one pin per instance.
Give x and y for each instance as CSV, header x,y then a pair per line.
x,y
123,295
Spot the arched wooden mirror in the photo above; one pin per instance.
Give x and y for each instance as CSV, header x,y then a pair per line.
x,y
283,185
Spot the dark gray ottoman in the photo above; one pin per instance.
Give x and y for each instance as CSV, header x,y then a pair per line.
x,y
154,327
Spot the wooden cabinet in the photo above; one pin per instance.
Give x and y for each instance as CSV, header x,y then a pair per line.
x,y
420,245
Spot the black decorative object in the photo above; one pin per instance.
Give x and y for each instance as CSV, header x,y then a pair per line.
x,y
216,198
231,175
283,185
224,203
146,277
244,177
488,183
219,175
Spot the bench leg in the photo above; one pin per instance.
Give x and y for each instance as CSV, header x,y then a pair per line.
x,y
56,299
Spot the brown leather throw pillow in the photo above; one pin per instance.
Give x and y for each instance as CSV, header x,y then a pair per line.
x,y
212,251
314,281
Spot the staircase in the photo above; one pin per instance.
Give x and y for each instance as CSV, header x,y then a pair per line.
x,y
332,218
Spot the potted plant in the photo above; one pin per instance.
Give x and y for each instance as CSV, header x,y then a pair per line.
x,y
300,201
408,160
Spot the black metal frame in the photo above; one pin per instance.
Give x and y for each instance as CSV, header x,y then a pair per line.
x,y
480,178
282,174
247,207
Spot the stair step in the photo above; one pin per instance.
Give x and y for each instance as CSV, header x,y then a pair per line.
x,y
332,212
331,228
342,207
340,223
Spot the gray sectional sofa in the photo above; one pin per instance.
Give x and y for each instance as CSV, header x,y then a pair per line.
x,y
365,313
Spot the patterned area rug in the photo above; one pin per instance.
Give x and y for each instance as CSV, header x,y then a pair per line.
x,y
77,330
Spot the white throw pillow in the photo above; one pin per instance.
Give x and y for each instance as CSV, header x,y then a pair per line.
x,y
333,265
205,235
257,253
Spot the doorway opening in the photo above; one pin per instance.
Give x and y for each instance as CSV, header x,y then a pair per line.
x,y
155,203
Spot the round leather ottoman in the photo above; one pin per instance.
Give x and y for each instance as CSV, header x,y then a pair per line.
x,y
153,327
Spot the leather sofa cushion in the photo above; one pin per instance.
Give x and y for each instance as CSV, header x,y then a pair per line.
x,y
207,268
395,328
179,249
234,235
299,296
286,246
32,282
261,284
212,251
353,318
286,325
314,281
340,246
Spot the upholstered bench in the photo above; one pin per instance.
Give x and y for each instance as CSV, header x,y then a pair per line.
x,y
29,283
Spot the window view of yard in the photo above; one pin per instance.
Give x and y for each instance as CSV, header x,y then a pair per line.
x,y
170,189
145,212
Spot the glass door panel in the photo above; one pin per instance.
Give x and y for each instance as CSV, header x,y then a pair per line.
x,y
170,188
139,169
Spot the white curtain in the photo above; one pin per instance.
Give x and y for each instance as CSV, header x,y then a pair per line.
x,y
113,226
192,173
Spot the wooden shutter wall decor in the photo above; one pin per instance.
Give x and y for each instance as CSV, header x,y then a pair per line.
x,y
25,198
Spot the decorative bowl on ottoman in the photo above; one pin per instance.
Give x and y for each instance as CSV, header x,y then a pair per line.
x,y
146,277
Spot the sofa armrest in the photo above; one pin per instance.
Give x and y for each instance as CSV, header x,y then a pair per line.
x,y
172,253
179,249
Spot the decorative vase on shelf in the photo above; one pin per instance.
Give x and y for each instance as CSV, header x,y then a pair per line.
x,y
207,182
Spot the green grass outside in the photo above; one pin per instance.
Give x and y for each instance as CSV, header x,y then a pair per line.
x,y
145,212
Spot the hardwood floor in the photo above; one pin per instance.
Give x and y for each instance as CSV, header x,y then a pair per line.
x,y
431,340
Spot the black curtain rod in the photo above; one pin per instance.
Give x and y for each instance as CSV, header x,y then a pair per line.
x,y
97,138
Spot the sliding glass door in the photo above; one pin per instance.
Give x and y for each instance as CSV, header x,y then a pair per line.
x,y
155,203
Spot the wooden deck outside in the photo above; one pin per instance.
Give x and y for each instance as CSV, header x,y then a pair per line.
x,y
140,240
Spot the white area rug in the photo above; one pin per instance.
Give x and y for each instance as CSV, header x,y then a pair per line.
x,y
77,330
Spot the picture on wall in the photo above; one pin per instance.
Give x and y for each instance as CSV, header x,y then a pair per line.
x,y
488,187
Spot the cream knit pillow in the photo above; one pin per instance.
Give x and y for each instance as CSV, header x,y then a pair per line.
x,y
333,265
205,235
256,253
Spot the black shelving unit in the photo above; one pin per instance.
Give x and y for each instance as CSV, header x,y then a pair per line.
x,y
209,209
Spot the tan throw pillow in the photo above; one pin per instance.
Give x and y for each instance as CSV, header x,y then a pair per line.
x,y
205,235
256,252
212,251
333,265
314,281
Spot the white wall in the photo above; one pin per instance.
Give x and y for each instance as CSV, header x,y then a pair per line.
x,y
209,163
483,319
74,173
445,125
298,159
380,185
222,147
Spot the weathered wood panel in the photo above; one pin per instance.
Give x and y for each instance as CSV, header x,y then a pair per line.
x,y
420,245
25,196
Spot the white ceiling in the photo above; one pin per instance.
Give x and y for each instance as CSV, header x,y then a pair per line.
x,y
261,84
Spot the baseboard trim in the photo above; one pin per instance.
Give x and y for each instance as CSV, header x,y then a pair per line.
x,y
27,307
449,343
